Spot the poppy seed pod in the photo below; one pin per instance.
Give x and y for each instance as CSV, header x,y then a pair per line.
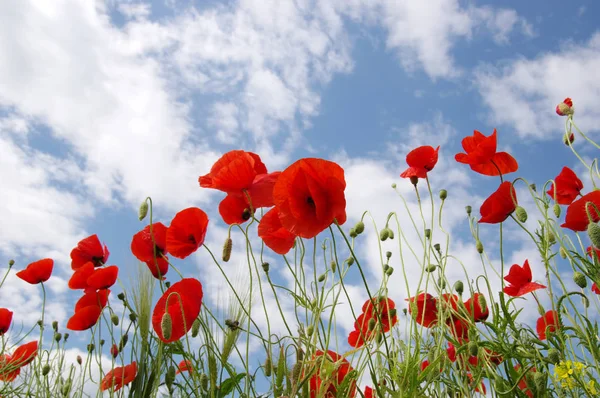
x,y
394,185
102,341
388,254
443,194
143,210
479,246
427,233
11,262
167,284
359,227
66,337
90,348
166,325
593,231
469,209
389,271
115,319
579,279
121,296
57,337
227,249
132,317
350,260
414,180
437,247
521,214
55,326
386,267
321,278
265,267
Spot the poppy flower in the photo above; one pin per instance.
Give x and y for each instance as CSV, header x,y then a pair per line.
x,y
482,157
24,354
499,205
275,236
119,377
8,372
568,187
114,351
5,320
595,288
451,351
185,366
426,309
565,108
187,232
96,298
151,252
420,161
523,382
37,272
103,278
547,323
424,365
309,196
382,311
89,249
184,295
477,307
79,278
368,392
577,218
327,388
590,252
233,172
88,310
481,388
519,279
459,328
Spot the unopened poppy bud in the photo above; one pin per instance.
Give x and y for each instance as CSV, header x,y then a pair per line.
x,y
473,348
166,325
414,180
40,323
388,254
66,388
479,246
579,279
427,233
393,185
431,267
564,109
57,337
350,260
123,341
66,337
593,231
384,234
170,377
391,233
482,302
45,370
115,319
55,326
386,267
533,187
443,194
268,366
143,210
102,342
352,233
551,237
469,209
132,317
389,271
265,267
371,324
121,296
167,284
553,356
79,360
310,330
442,283
227,249
321,278
459,287
562,252
90,348
333,266
569,139
11,262
521,214
359,227
556,209
195,327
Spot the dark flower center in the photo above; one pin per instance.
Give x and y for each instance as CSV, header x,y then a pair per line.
x,y
246,214
310,202
192,239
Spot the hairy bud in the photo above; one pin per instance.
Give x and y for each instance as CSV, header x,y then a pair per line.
x,y
579,279
521,214
459,287
143,210
443,194
227,249
359,227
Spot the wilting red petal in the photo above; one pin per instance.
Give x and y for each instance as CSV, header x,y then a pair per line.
x,y
144,248
547,323
275,236
499,205
186,293
89,249
37,272
24,354
103,278
233,172
187,232
185,366
5,320
568,187
119,377
80,276
576,218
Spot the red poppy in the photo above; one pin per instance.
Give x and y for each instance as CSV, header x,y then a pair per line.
x,y
24,354
275,236
590,252
151,252
5,320
565,108
499,205
577,218
595,288
119,377
89,249
523,382
547,323
451,351
459,327
309,196
187,232
568,186
88,310
114,351
474,306
450,301
341,368
233,172
420,161
185,366
8,372
37,272
426,307
481,155
424,365
80,276
481,388
103,278
376,309
184,295
519,279
368,392
99,299
236,208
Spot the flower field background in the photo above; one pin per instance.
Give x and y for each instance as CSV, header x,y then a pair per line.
x,y
448,338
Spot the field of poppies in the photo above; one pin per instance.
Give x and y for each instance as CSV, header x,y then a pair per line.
x,y
457,339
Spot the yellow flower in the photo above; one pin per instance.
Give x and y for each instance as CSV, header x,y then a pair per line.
x,y
591,388
565,371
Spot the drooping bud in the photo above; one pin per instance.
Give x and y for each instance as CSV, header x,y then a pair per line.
x,y
11,262
414,180
473,348
359,227
388,254
521,214
389,271
579,279
565,108
482,302
79,360
57,337
90,347
123,342
551,237
593,231
431,267
195,327
427,233
310,330
479,246
333,266
443,194
166,325
114,351
227,249
533,187
391,233
352,233
350,260
40,323
442,283
459,287
469,209
556,209
115,319
45,370
321,278
55,326
371,324
170,377
265,267
132,317
562,252
384,234
569,139
143,210
393,185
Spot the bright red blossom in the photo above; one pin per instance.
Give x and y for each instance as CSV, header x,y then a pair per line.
x,y
184,295
186,232
233,172
119,377
577,218
420,161
236,207
565,108
426,309
547,323
499,205
10,365
185,366
88,309
150,247
481,155
276,238
376,308
5,320
519,279
568,187
89,249
474,306
37,272
328,388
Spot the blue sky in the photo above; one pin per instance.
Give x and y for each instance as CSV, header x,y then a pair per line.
x,y
104,103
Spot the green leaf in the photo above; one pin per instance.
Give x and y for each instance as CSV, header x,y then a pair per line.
x,y
228,385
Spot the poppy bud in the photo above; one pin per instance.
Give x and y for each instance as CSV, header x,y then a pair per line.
x,y
539,379
40,323
121,296
166,326
384,234
204,381
441,283
114,351
568,139
553,356
379,336
350,260
132,317
593,231
562,252
227,249
57,337
265,267
393,185
556,209
579,279
333,266
79,360
167,284
482,302
90,348
296,372
564,109
533,187
11,262
55,326
66,337
195,327
321,277
443,194
115,319
551,237
66,389
310,330
473,348
521,214
45,370
389,271
427,233
459,287
414,180
268,366
468,209
479,246
101,342
437,247
430,268
170,377
391,233
386,267
388,254
359,227
143,210
352,233
123,342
